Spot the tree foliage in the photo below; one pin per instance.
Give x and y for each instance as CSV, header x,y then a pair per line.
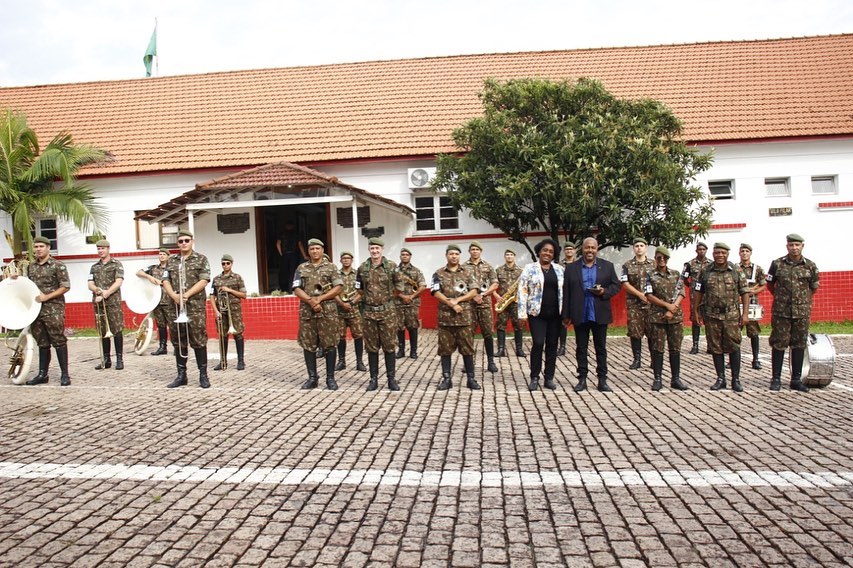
x,y
36,181
572,160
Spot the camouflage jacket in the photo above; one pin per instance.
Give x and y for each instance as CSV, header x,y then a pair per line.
x,y
721,288
103,274
453,284
157,271
668,287
634,273
377,285
49,277
794,284
233,281
410,275
191,270
692,269
486,276
507,277
349,286
754,277
316,280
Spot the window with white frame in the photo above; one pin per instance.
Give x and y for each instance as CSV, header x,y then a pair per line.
x,y
724,189
777,187
155,235
435,214
45,227
824,185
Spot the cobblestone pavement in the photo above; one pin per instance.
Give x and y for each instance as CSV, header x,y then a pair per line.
x,y
116,470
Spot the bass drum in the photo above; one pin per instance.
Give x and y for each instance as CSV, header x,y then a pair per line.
x,y
819,361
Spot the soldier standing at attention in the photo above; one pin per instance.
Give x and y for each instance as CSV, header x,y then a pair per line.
x,y
757,283
690,273
154,274
482,303
665,292
230,285
377,281
48,329
105,279
722,286
409,304
350,315
454,288
316,283
633,280
184,280
508,276
569,250
793,281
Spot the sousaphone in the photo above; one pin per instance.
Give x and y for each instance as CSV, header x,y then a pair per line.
x,y
141,297
20,309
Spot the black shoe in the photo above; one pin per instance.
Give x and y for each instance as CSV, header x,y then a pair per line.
x,y
105,365
119,363
39,379
178,382
331,384
203,380
372,384
756,364
241,365
736,385
550,384
492,367
797,385
635,364
160,350
677,384
413,355
392,384
65,381
581,386
311,383
341,365
657,384
472,384
359,366
534,384
218,367
775,384
602,385
719,384
401,352
561,350
445,383
695,349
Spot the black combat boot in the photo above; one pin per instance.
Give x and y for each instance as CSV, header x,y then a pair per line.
x,y
181,378
413,343
489,347
107,362
797,358
519,344
534,384
391,371
446,381
657,366
695,349
501,344
359,351
223,357
401,344
342,355
777,357
62,359
201,361
468,360
756,364
734,364
581,386
373,366
331,355
675,369
311,367
561,348
720,368
636,350
44,364
602,385
119,343
241,349
163,334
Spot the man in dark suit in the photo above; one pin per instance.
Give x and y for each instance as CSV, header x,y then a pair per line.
x,y
587,288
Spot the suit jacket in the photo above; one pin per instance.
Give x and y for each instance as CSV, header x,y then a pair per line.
x,y
573,291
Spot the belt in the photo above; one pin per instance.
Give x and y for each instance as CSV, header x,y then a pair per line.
x,y
718,311
380,308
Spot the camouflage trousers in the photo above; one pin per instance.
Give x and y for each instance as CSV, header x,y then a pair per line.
x,y
723,336
638,316
510,314
351,320
317,332
789,332
115,317
235,321
161,315
753,329
193,333
663,334
380,334
485,320
451,338
407,314
49,327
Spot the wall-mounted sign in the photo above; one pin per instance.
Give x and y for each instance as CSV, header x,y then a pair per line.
x,y
780,211
373,232
232,223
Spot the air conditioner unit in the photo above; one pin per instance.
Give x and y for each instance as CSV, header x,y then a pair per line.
x,y
420,178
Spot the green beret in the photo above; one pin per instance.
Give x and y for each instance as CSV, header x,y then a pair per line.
x,y
452,247
228,257
317,242
701,244
375,241
185,233
346,253
795,238
103,243
569,245
475,244
662,250
746,246
723,246
640,240
404,249
164,250
42,240
510,251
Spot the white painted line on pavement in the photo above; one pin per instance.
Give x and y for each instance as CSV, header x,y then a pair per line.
x,y
453,478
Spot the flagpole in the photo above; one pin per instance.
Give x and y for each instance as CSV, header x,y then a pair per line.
x,y
157,57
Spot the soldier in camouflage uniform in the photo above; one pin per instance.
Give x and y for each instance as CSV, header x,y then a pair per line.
x,y
508,276
316,283
569,251
633,280
184,280
482,303
378,281
725,293
154,274
793,281
229,286
757,283
665,291
51,277
105,279
690,273
454,288
350,315
409,304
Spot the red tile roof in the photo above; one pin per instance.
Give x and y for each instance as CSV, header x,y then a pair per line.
x,y
745,90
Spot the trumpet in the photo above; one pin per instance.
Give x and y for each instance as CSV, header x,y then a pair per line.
x,y
321,289
349,296
483,287
507,299
461,288
410,281
182,318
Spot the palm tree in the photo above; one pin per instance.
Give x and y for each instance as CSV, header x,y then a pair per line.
x,y
36,181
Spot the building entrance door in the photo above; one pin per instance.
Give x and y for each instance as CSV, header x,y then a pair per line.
x,y
285,231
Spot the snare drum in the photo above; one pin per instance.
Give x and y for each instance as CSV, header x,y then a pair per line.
x,y
819,361
755,313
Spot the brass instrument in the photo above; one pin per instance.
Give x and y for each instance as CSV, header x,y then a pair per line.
x,y
224,307
182,318
101,316
462,288
348,296
483,287
410,281
507,299
142,297
320,289
22,356
20,309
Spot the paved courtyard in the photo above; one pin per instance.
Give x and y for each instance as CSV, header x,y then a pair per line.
x,y
119,471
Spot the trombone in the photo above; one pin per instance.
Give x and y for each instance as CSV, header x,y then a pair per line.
x,y
182,312
102,323
224,307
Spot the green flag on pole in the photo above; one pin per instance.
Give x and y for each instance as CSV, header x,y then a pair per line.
x,y
150,53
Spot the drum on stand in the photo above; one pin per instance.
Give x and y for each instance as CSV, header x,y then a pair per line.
x,y
755,313
819,361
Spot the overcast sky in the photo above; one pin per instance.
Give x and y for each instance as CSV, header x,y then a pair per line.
x,y
56,41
